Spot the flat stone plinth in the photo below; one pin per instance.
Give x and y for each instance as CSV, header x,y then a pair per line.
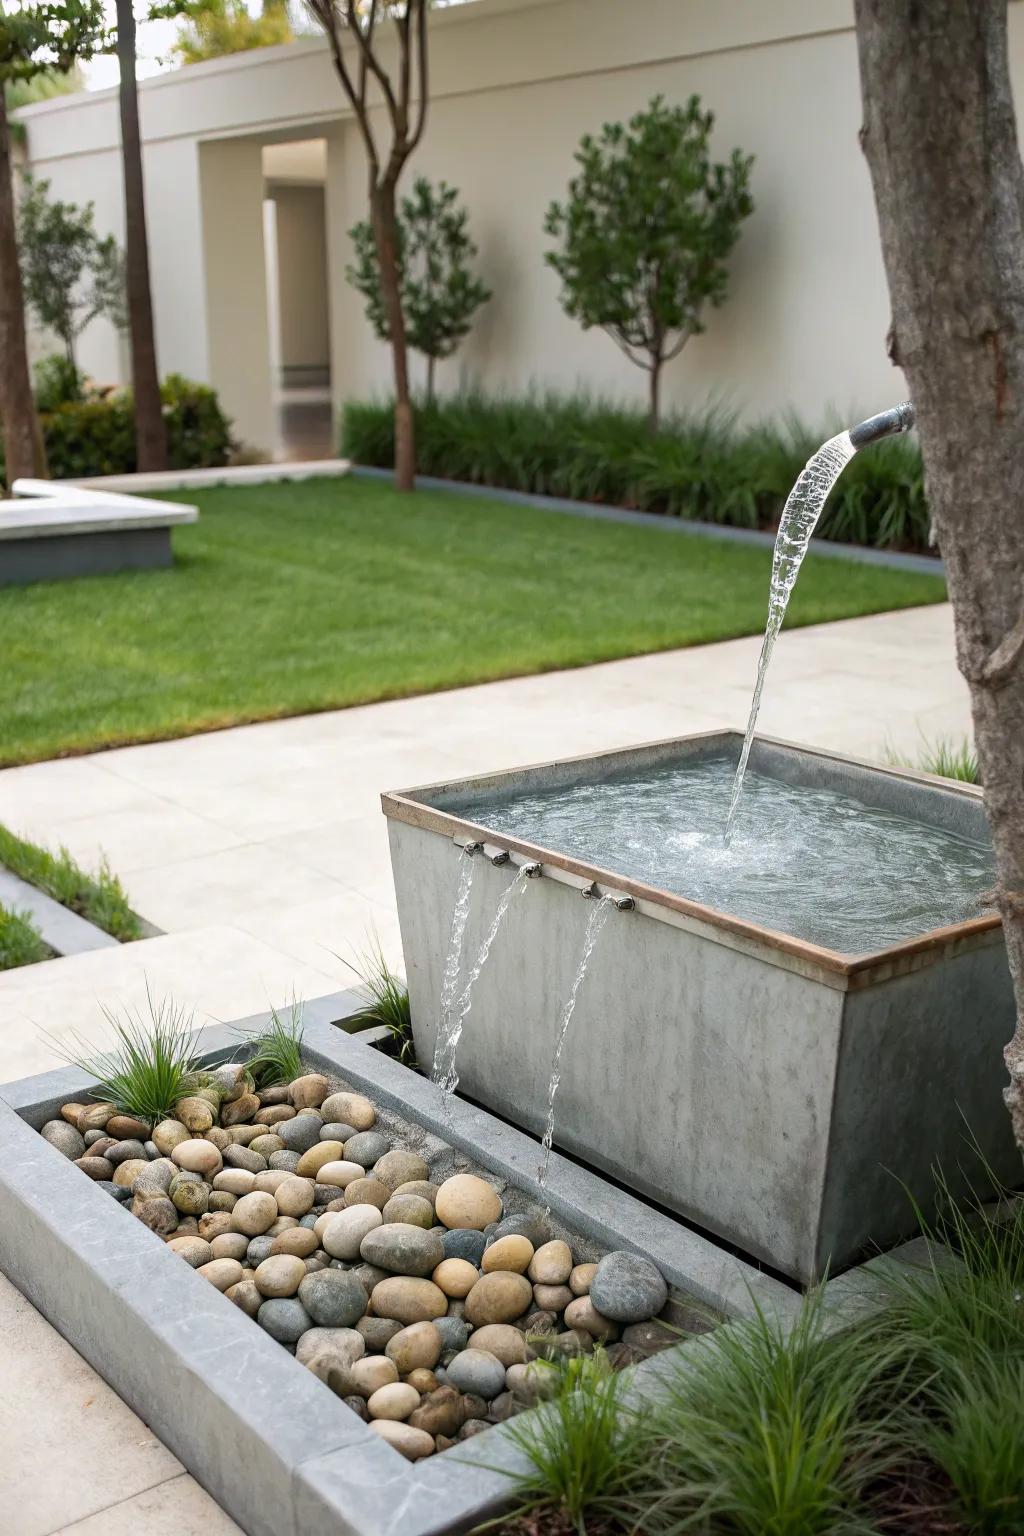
x,y
54,532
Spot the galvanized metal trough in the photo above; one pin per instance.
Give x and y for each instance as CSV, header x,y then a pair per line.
x,y
786,1097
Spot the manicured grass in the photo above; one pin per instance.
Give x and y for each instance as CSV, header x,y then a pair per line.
x,y
291,598
101,897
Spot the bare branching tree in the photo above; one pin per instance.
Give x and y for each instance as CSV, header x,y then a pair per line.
x,y
358,33
940,137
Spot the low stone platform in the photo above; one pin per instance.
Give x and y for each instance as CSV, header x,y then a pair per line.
x,y
51,532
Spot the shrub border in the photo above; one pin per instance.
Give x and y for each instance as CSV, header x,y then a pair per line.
x,y
862,553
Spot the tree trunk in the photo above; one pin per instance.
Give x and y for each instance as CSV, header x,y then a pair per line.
x,y
150,433
23,447
941,141
654,397
431,364
385,233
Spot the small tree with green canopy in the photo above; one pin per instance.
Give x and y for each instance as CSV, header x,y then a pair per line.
x,y
644,235
218,27
440,294
46,39
70,274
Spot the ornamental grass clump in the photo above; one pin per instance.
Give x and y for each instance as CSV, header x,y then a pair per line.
x,y
21,943
277,1052
583,1445
150,1064
100,898
386,1001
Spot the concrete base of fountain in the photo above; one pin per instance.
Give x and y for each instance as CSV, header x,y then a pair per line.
x,y
783,1096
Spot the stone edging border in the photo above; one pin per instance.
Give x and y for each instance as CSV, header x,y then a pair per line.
x,y
269,1440
860,553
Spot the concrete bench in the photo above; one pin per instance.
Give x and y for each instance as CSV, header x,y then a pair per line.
x,y
50,531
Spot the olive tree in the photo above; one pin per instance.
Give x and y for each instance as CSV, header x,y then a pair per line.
x,y
645,232
940,137
70,274
440,294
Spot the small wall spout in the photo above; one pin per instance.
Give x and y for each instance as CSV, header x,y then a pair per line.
x,y
886,424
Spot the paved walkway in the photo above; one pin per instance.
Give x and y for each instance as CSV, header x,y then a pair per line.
x,y
262,854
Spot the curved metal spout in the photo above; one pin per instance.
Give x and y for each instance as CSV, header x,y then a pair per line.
x,y
885,424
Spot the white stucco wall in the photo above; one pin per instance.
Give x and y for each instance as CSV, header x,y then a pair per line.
x,y
514,85
302,277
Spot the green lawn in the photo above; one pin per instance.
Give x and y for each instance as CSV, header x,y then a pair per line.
x,y
297,597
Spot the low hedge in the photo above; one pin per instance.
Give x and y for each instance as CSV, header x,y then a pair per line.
x,y
96,435
704,468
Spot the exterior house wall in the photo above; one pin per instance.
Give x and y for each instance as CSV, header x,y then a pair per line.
x,y
514,85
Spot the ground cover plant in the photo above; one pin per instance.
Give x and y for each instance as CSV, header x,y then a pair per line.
x,y
700,466
100,898
288,599
150,1064
21,943
910,1422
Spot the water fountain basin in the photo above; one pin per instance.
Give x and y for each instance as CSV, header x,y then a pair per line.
x,y
777,1092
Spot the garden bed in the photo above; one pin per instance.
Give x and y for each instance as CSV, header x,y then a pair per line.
x,y
273,1444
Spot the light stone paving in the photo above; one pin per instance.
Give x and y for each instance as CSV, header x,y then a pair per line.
x,y
262,853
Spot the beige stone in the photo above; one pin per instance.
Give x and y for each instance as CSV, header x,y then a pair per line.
x,y
395,1401
349,1109
407,1300
412,1443
310,1091
367,1192
229,1245
194,1250
245,1295
280,1275
342,1232
501,1340
318,1157
244,1108
371,1373
234,1181
255,1214
337,1171
422,1379
299,1241
167,1134
412,1210
400,1167
268,1179
511,1253
582,1313
197,1156
499,1297
552,1298
127,1172
295,1196
274,1114
466,1201
581,1277
422,1187
551,1264
216,1224
417,1346
266,1145
221,1273
456,1277
195,1114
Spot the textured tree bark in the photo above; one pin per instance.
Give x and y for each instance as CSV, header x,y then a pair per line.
x,y
654,394
383,216
941,141
150,432
23,449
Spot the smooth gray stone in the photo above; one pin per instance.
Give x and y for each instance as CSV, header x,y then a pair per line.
x,y
299,1134
464,1244
284,1318
477,1371
628,1288
333,1298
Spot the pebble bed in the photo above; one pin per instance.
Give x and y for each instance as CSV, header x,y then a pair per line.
x,y
426,1306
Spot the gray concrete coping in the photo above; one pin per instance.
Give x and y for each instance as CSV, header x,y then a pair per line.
x,y
204,479
63,930
862,553
272,1443
53,509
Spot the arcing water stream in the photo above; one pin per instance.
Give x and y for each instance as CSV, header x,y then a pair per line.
x,y
444,1048
457,1014
595,923
804,506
